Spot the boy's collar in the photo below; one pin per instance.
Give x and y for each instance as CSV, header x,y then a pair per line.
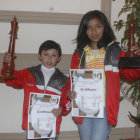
x,y
45,68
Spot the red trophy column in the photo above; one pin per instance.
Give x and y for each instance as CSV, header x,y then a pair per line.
x,y
8,73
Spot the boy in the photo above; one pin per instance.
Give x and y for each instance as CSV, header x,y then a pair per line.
x,y
44,78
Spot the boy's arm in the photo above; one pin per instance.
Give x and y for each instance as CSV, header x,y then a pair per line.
x,y
65,103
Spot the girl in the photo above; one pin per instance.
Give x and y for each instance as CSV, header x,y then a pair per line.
x,y
97,49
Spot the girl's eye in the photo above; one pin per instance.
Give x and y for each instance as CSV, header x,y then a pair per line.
x,y
98,26
89,27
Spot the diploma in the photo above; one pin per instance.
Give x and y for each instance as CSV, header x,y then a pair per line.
x,y
88,84
41,121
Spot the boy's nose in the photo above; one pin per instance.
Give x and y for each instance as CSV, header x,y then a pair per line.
x,y
49,57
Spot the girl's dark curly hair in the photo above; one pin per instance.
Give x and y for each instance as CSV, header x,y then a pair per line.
x,y
82,38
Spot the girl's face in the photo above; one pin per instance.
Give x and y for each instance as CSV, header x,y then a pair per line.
x,y
95,30
49,58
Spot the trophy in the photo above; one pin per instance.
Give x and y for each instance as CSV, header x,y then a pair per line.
x,y
130,60
9,67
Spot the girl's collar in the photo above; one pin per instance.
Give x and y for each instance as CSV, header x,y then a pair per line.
x,y
87,47
111,43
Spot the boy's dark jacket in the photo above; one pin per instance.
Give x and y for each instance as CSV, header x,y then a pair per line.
x,y
29,78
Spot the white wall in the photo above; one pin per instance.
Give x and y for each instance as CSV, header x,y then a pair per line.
x,y
116,7
11,102
30,37
60,6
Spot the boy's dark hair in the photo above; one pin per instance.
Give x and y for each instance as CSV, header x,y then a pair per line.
x,y
82,38
49,44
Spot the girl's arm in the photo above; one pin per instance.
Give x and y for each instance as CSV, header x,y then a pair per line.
x,y
129,74
136,50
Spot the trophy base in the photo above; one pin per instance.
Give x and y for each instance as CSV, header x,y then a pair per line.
x,y
5,77
129,62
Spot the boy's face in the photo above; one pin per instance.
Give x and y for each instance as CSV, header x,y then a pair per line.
x,y
49,58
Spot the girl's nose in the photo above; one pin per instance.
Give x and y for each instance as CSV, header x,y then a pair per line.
x,y
93,30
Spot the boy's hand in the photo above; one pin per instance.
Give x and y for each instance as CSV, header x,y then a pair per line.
x,y
57,111
71,94
136,50
7,57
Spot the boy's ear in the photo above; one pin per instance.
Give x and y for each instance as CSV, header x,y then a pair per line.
x,y
59,59
39,57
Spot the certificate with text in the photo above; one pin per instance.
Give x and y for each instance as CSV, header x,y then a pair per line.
x,y
41,121
89,86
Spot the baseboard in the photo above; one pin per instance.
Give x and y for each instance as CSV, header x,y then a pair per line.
x,y
122,133
12,136
116,134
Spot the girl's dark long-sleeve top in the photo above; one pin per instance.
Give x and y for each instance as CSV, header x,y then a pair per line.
x,y
112,80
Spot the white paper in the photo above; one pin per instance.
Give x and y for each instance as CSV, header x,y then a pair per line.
x,y
88,84
41,121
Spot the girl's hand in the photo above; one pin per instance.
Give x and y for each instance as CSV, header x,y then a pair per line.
x,y
7,57
136,50
57,111
71,94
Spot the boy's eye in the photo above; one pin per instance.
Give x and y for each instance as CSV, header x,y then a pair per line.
x,y
54,55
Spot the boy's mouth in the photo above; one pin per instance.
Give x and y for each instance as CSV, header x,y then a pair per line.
x,y
49,63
